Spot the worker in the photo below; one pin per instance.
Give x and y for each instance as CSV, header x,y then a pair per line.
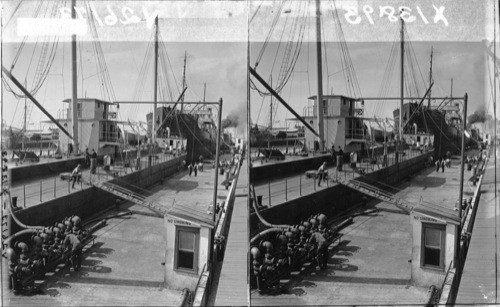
x,y
321,249
354,159
93,162
75,174
73,244
334,156
321,173
340,159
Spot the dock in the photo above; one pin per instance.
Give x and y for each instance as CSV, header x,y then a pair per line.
x,y
480,279
233,289
125,266
371,263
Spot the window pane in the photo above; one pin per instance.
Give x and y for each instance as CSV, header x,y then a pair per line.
x,y
432,256
432,237
186,240
185,260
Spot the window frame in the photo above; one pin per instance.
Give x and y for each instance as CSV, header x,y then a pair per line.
x,y
442,248
196,232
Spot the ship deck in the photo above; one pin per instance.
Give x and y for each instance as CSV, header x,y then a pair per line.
x,y
370,266
124,266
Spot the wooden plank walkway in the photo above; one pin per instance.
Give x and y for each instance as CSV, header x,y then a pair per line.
x,y
233,289
479,283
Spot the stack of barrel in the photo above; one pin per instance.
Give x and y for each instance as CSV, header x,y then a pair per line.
x,y
31,258
277,254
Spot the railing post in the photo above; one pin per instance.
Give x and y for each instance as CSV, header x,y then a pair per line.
x,y
69,181
300,185
269,190
24,197
55,182
314,183
40,191
286,188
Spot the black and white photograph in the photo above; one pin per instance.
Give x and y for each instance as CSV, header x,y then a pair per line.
x,y
372,132
123,136
249,152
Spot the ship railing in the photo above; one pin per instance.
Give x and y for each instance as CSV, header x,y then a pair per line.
x,y
34,193
278,191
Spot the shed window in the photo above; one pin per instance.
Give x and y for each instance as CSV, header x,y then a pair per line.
x,y
186,249
433,245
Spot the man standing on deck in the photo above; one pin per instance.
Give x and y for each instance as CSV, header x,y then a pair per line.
x,y
321,249
340,159
321,173
75,174
334,156
71,242
87,157
93,162
354,159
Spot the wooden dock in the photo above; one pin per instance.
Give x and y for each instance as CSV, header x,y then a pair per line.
x,y
233,289
480,281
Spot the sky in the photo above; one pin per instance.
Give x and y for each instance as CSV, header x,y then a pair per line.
x,y
455,29
215,47
215,34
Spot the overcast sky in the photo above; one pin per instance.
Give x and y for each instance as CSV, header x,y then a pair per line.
x,y
212,33
455,29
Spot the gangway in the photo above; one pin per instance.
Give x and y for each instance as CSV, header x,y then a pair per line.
x,y
403,204
375,192
131,196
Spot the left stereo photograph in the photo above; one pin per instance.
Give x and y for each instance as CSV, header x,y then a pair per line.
x,y
124,161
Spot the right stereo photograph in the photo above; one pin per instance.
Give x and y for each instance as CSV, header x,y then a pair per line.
x,y
372,152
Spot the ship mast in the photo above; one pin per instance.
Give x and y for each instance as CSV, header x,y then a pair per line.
x,y
402,81
430,80
74,98
155,98
24,124
183,80
319,108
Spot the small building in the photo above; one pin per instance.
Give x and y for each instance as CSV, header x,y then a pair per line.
x,y
342,120
434,246
188,246
97,126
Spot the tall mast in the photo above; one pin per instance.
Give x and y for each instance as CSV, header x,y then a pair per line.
x,y
74,97
430,80
319,108
271,108
451,89
204,91
153,131
183,80
402,80
24,124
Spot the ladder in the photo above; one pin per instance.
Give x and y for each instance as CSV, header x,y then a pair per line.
x,y
375,192
131,196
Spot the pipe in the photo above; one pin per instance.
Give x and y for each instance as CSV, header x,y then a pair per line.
x,y
18,222
261,218
343,224
18,234
96,226
264,233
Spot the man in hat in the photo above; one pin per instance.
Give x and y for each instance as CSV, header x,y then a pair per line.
x,y
75,174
